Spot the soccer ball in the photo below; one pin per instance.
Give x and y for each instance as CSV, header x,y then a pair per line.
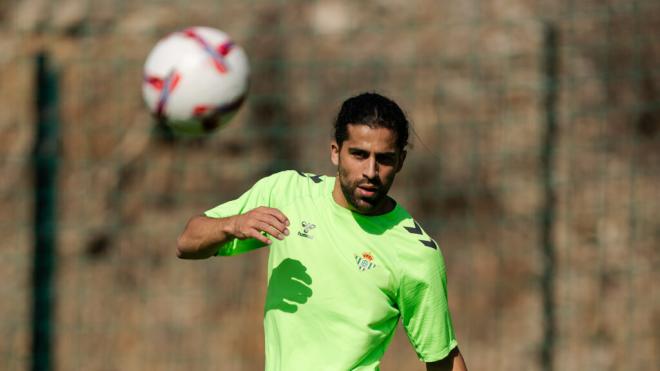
x,y
195,80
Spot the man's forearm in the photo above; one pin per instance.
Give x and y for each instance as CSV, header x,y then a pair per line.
x,y
453,362
202,234
201,237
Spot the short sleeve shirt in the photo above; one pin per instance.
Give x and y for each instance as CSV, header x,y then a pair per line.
x,y
340,282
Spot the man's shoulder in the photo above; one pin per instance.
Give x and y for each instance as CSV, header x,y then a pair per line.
x,y
411,232
418,254
292,184
295,177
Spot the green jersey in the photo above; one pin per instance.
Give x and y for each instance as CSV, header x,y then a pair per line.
x,y
338,284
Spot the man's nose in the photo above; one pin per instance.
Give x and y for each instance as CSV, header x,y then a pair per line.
x,y
371,168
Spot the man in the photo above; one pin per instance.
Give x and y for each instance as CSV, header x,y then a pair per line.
x,y
346,261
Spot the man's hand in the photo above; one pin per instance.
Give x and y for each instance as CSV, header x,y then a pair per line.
x,y
202,235
261,219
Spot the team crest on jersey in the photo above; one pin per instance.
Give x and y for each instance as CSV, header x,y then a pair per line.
x,y
306,228
365,261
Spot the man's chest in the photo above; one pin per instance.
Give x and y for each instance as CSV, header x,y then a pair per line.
x,y
340,257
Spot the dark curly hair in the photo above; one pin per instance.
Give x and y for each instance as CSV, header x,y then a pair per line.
x,y
373,110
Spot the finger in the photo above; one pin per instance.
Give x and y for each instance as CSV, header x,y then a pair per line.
x,y
263,214
265,227
271,220
256,234
277,214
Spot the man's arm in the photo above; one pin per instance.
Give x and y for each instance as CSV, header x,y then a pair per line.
x,y
202,235
453,362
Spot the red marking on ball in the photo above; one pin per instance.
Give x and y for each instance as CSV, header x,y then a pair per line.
x,y
190,32
219,66
225,48
199,110
155,82
175,81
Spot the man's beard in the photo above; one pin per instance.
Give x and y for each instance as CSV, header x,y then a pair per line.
x,y
349,188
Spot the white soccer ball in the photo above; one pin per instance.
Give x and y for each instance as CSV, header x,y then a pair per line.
x,y
195,80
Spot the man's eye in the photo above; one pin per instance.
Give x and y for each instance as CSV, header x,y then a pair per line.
x,y
386,160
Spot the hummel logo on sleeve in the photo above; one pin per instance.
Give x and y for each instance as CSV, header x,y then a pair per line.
x,y
417,229
313,177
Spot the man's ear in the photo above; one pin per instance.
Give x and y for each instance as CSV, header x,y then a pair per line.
x,y
334,153
402,158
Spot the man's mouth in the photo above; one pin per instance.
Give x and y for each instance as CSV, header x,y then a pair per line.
x,y
367,191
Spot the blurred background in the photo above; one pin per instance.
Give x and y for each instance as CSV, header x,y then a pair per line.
x,y
535,165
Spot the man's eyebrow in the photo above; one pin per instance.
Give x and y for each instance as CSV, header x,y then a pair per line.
x,y
360,150
390,153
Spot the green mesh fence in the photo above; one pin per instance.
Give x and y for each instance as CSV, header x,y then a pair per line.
x,y
535,165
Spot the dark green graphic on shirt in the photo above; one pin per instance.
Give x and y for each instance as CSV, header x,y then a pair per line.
x,y
418,230
288,285
315,178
